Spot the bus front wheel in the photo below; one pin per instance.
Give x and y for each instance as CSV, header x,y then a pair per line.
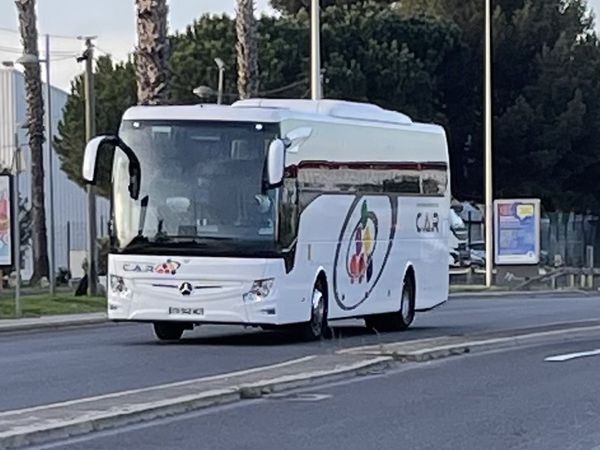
x,y
316,327
168,331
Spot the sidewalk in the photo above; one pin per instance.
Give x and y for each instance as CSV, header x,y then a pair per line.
x,y
483,293
51,322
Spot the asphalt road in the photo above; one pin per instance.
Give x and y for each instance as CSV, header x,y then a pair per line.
x,y
502,400
47,367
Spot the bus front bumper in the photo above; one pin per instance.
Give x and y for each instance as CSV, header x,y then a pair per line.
x,y
203,290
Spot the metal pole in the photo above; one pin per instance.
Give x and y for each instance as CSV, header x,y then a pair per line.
x,y
488,147
16,221
69,246
469,239
50,170
221,81
315,52
90,131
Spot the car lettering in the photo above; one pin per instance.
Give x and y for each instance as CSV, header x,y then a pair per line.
x,y
427,223
138,268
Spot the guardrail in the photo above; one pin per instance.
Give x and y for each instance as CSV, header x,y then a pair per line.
x,y
571,277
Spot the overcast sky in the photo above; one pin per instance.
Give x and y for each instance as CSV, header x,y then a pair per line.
x,y
111,20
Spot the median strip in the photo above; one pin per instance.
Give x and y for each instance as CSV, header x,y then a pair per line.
x,y
435,348
66,419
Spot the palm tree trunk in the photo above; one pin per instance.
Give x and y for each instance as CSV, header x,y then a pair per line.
x,y
35,125
152,52
247,49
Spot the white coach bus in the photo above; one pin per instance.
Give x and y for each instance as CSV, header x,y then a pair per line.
x,y
275,213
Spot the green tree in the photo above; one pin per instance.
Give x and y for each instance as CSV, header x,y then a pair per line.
x,y
373,53
152,51
192,58
295,6
35,127
544,72
547,61
247,49
115,92
370,52
25,230
423,58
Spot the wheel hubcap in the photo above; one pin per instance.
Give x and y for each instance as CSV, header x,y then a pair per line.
x,y
318,311
405,308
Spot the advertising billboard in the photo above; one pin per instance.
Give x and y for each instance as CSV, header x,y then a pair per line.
x,y
6,222
517,231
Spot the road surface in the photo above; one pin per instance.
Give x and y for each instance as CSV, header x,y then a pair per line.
x,y
47,367
501,400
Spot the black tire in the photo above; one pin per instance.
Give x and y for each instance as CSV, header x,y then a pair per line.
x,y
168,331
316,328
399,320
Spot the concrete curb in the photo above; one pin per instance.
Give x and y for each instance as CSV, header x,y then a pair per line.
x,y
51,322
36,435
421,351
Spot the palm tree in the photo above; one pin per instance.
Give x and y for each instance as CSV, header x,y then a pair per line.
x,y
247,49
152,52
35,123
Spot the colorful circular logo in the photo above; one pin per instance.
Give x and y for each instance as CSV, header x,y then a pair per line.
x,y
363,249
359,256
169,267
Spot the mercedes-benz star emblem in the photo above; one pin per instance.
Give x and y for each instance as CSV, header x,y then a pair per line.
x,y
186,288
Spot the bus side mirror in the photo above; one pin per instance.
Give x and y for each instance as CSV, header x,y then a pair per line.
x,y
91,156
90,159
296,137
275,163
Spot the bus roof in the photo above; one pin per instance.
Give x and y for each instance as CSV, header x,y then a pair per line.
x,y
277,110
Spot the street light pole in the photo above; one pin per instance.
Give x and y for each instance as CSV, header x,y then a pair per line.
x,y
221,65
90,131
489,196
52,261
204,92
17,222
315,51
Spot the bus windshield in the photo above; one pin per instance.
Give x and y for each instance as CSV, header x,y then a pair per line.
x,y
201,187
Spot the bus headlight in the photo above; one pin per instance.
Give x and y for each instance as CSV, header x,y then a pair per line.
x,y
118,286
260,290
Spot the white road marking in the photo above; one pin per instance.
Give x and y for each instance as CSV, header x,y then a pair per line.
x,y
570,356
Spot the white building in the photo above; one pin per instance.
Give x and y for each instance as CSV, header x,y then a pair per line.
x,y
70,205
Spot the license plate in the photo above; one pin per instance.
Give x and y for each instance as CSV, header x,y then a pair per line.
x,y
186,311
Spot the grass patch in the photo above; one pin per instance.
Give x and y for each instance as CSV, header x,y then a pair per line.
x,y
46,305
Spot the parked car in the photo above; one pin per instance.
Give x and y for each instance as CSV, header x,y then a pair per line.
x,y
477,253
453,260
457,244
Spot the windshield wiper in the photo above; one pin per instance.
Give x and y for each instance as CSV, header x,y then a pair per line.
x,y
190,239
138,242
143,210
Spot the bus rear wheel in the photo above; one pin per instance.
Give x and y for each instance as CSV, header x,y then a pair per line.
x,y
168,331
399,320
